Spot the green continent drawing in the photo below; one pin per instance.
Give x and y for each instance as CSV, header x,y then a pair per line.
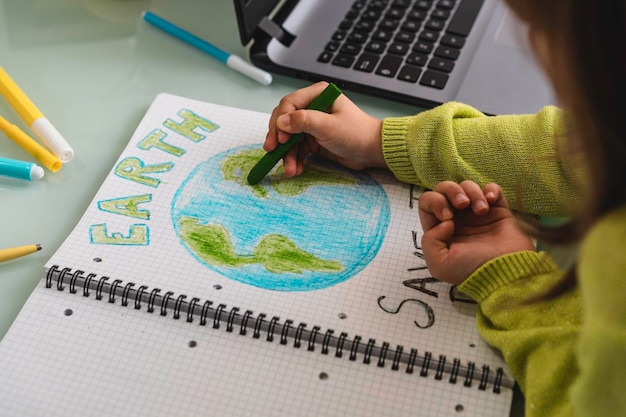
x,y
236,168
277,254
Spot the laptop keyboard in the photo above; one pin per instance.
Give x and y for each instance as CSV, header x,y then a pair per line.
x,y
411,40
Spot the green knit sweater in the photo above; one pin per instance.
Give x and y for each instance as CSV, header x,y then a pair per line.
x,y
568,354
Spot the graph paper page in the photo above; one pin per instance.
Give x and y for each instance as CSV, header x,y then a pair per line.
x,y
332,248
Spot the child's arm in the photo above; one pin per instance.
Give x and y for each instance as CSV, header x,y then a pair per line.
x,y
456,142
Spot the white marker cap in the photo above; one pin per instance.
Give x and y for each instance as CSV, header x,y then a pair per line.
x,y
52,139
235,62
36,172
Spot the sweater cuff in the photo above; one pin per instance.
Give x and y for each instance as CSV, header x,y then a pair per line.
x,y
504,270
395,150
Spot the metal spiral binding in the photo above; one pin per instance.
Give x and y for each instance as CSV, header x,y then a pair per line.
x,y
244,322
164,301
138,295
116,290
112,290
75,276
218,315
271,328
126,293
298,337
312,338
100,287
326,341
285,332
178,305
395,365
342,339
192,307
231,319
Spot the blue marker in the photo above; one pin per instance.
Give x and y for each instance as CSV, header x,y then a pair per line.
x,y
20,169
232,61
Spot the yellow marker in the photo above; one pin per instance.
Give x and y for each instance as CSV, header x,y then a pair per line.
x,y
27,143
41,126
12,253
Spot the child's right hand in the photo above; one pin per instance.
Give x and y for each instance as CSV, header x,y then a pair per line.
x,y
346,134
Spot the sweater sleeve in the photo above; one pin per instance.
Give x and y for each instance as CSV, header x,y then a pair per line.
x,y
601,350
536,338
456,142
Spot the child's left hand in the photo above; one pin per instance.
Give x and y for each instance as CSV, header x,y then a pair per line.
x,y
465,227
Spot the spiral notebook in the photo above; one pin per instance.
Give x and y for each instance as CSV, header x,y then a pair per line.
x,y
183,290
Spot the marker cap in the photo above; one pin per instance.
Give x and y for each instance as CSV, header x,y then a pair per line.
x,y
52,139
238,64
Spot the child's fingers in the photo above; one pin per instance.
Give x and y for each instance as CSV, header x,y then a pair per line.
x,y
433,209
476,196
298,99
494,195
455,194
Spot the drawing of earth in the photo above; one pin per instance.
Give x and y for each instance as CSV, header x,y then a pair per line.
x,y
298,234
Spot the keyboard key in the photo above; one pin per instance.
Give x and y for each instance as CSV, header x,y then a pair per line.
x,y
376,47
365,25
388,24
440,14
332,46
371,14
409,73
417,59
396,14
357,37
404,37
423,4
401,4
325,57
351,49
352,14
378,4
382,35
339,36
440,64
453,40
464,17
423,47
345,61
435,25
366,62
411,26
418,15
429,36
447,52
398,48
434,79
446,4
389,65
345,25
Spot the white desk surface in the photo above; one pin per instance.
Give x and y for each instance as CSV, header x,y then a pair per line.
x,y
93,67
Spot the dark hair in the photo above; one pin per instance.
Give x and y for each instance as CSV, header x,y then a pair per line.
x,y
589,39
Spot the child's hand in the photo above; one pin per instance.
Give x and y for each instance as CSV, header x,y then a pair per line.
x,y
465,227
345,134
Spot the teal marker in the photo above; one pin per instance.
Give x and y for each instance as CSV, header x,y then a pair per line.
x,y
20,169
270,159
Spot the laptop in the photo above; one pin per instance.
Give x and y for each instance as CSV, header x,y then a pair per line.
x,y
419,52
